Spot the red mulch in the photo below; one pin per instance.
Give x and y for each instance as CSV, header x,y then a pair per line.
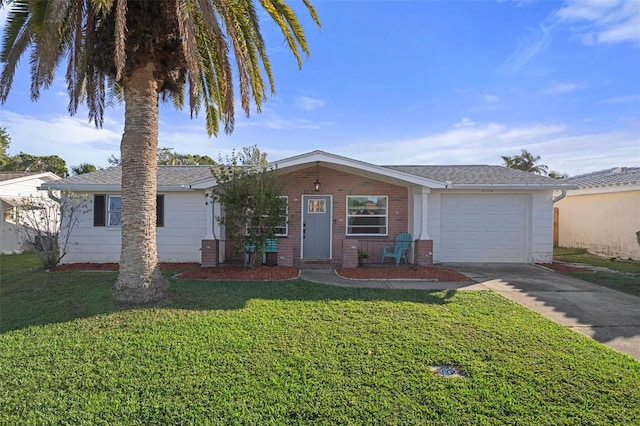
x,y
563,268
410,272
259,273
164,266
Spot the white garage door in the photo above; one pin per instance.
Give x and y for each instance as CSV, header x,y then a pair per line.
x,y
484,228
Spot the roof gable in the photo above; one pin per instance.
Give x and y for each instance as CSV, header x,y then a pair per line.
x,y
8,178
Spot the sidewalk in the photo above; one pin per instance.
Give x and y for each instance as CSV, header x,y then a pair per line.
x,y
329,277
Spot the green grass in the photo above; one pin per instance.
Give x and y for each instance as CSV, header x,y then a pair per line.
x,y
294,352
625,276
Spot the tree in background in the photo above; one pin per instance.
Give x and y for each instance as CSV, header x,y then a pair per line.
x,y
5,141
83,168
23,162
252,196
168,157
525,162
146,51
557,175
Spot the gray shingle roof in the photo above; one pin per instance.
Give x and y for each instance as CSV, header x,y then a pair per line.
x,y
477,175
15,175
167,176
611,177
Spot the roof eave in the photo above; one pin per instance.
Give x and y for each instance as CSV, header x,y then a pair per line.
x,y
95,188
533,186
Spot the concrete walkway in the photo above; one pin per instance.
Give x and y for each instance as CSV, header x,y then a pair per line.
x,y
608,316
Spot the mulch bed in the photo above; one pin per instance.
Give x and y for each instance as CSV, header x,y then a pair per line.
x,y
403,272
164,266
259,273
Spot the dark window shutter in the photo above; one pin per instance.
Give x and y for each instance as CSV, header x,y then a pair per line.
x,y
160,211
99,210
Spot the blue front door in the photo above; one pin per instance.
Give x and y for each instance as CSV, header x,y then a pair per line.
x,y
316,227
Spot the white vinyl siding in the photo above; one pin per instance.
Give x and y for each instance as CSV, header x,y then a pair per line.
x,y
178,241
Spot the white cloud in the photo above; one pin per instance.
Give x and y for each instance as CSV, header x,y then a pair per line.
x,y
308,104
465,122
491,99
74,140
528,49
602,22
485,143
558,88
624,99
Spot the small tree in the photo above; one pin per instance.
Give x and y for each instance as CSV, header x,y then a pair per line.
x,y
47,222
252,196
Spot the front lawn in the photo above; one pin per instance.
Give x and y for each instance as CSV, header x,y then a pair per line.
x,y
623,276
293,352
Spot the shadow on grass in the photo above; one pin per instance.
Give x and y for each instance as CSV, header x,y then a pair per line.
x,y
36,297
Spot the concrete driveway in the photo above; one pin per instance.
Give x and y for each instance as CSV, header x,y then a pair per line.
x,y
608,316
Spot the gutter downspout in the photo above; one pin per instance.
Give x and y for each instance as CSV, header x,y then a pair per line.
x,y
563,193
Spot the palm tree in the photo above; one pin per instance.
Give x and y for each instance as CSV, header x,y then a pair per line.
x,y
146,51
526,162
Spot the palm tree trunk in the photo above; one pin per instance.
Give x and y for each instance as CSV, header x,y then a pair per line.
x,y
139,281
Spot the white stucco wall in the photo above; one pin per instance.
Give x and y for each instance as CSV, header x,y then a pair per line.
x,y
178,241
605,223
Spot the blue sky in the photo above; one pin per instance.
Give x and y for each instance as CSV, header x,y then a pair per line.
x,y
409,82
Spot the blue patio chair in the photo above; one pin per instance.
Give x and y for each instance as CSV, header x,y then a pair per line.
x,y
271,246
399,250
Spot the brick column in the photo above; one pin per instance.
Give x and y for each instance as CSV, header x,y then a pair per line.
x,y
423,252
349,253
285,252
209,253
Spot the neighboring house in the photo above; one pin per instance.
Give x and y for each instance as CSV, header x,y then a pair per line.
x,y
13,187
454,213
603,213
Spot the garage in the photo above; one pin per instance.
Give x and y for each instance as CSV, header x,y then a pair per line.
x,y
484,228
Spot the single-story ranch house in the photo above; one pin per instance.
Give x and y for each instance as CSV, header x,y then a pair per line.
x,y
336,206
603,213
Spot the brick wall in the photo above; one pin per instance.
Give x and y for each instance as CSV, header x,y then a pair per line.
x,y
340,184
209,253
423,254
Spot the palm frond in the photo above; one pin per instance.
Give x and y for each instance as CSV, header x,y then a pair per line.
x,y
189,47
16,40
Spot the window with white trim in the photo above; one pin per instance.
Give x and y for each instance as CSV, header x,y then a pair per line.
x,y
114,210
367,215
282,228
107,210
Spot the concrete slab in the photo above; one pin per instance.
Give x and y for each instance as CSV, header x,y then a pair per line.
x,y
608,316
327,276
